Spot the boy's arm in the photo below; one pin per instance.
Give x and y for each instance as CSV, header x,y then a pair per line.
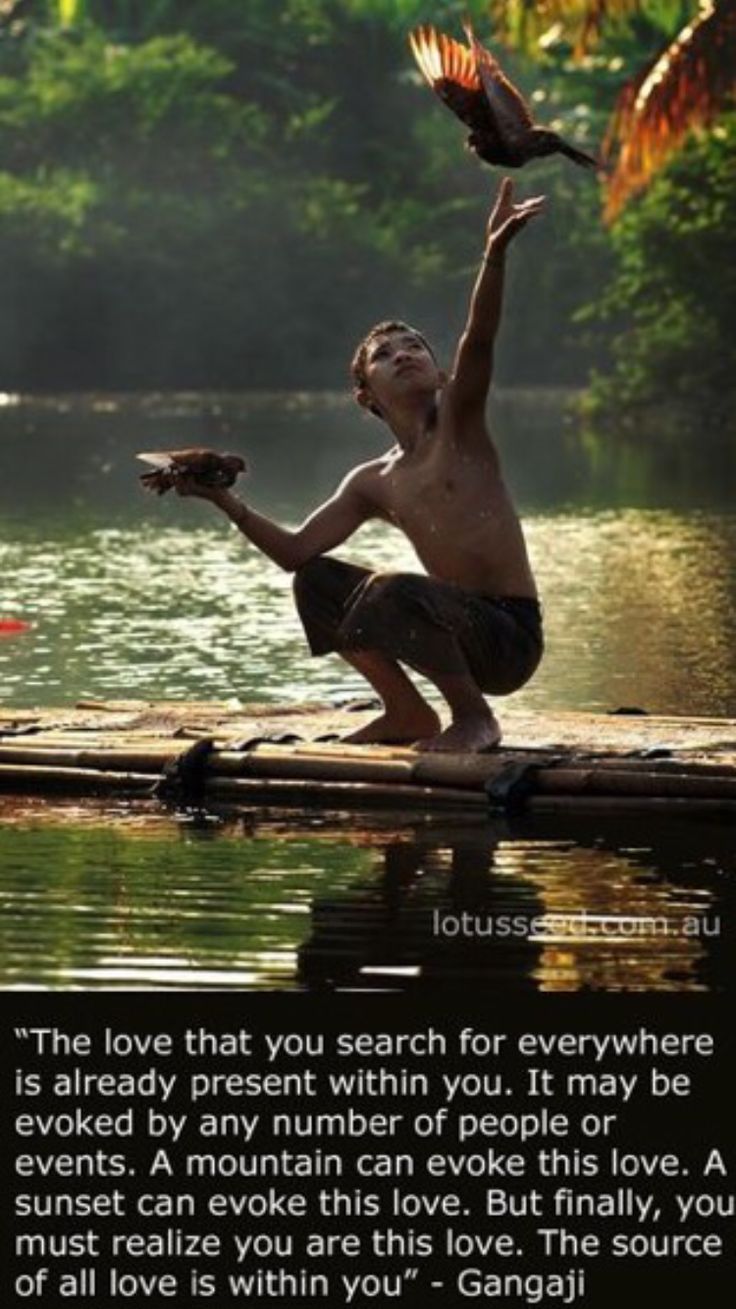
x,y
473,367
329,525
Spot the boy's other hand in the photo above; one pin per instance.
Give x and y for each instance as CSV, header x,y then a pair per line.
x,y
185,484
508,218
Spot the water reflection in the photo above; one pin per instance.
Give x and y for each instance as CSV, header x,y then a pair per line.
x,y
111,898
529,909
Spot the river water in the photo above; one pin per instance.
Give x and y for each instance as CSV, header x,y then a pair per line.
x,y
129,597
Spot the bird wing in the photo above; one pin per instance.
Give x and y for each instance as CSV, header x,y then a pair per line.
x,y
507,105
157,458
194,456
451,71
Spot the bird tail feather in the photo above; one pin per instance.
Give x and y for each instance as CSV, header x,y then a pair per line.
x,y
579,156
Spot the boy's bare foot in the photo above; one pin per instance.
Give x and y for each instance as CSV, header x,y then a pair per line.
x,y
397,729
473,734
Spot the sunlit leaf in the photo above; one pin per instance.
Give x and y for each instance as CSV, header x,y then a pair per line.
x,y
683,89
69,12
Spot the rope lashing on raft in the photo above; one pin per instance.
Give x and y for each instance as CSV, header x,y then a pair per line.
x,y
183,779
509,789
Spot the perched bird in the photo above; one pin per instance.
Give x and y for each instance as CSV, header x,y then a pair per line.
x,y
471,83
205,466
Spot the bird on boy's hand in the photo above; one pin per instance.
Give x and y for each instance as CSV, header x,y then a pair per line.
x,y
204,466
470,81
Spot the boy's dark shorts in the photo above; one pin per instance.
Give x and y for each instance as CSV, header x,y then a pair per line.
x,y
433,626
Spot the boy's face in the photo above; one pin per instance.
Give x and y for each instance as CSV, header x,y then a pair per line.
x,y
397,365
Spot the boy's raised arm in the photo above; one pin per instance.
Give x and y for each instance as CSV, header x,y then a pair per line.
x,y
473,366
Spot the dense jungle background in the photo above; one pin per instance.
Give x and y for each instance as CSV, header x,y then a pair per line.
x,y
226,193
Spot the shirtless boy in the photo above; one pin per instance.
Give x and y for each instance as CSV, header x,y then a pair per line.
x,y
472,623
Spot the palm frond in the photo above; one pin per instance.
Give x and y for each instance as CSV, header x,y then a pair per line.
x,y
683,89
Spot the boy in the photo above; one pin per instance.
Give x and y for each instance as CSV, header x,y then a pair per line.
x,y
472,624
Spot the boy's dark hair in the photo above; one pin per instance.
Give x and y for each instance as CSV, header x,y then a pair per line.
x,y
357,364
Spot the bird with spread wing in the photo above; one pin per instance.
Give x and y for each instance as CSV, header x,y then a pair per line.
x,y
470,81
206,467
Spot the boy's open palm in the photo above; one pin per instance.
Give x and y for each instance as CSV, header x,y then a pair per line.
x,y
508,218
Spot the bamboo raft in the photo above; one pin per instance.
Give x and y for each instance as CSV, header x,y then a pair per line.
x,y
267,756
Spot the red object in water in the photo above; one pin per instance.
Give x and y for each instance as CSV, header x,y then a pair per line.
x,y
11,626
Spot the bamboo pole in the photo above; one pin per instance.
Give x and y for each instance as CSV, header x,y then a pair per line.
x,y
37,778
345,795
137,761
341,749
676,766
459,770
94,741
468,774
671,719
318,767
221,763
573,781
616,805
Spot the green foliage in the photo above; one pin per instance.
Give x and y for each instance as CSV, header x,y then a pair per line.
x,y
227,194
49,211
84,98
671,300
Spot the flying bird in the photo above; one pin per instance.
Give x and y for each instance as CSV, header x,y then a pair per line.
x,y
470,81
205,466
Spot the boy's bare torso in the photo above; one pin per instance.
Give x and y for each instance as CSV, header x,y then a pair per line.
x,y
453,505
442,486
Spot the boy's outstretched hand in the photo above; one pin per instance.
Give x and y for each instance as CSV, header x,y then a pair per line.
x,y
194,471
186,484
508,218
